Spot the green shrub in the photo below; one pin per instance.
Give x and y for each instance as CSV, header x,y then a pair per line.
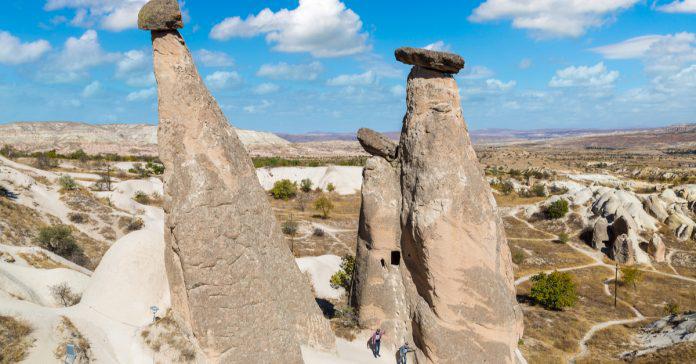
x,y
671,308
330,187
306,185
155,168
343,277
141,198
539,190
135,223
563,238
517,256
58,239
631,276
554,291
557,209
290,227
284,189
324,205
67,183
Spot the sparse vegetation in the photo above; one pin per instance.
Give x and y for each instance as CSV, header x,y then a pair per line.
x,y
141,198
67,183
671,308
284,189
324,205
330,187
318,232
71,335
58,239
167,332
64,295
290,227
343,277
261,162
135,223
306,185
554,291
517,256
557,209
15,340
631,275
563,238
150,168
78,217
539,190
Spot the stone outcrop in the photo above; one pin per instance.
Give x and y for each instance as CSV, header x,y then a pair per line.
x,y
656,207
600,233
656,248
160,15
233,280
622,250
438,61
448,245
377,144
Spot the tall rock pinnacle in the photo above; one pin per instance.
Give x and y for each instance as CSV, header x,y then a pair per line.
x,y
233,280
455,270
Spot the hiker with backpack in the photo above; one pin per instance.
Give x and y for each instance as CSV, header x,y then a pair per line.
x,y
376,341
403,351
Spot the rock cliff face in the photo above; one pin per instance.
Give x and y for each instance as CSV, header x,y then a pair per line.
x,y
233,280
452,254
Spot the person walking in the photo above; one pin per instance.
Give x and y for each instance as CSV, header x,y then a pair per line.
x,y
376,341
403,351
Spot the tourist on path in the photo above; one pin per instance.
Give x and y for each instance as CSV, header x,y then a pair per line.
x,y
376,341
403,351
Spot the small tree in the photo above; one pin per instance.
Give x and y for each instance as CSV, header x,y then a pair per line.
x,y
557,209
671,308
324,205
563,238
45,161
64,295
290,227
507,188
58,239
343,277
539,190
306,185
67,183
284,189
330,187
553,291
140,171
631,275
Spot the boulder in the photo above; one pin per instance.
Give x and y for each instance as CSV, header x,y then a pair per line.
x,y
621,225
233,281
656,248
600,233
160,15
434,60
622,250
377,144
656,207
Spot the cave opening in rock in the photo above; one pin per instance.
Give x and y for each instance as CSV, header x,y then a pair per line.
x,y
395,257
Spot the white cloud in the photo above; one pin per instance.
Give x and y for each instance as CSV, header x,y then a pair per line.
x,y
498,85
438,46
13,51
114,15
551,18
584,76
75,58
361,79
266,88
679,6
660,53
253,109
141,95
223,79
135,68
284,71
525,63
213,58
91,89
323,28
398,90
476,73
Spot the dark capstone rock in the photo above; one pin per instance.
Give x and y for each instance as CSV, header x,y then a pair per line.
x,y
160,15
440,61
377,144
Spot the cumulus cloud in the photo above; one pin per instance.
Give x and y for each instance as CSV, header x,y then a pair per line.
x,y
266,88
223,79
253,109
14,51
476,73
361,79
438,46
140,95
323,28
498,85
91,89
114,15
584,76
285,71
135,68
660,53
551,18
78,55
679,6
213,58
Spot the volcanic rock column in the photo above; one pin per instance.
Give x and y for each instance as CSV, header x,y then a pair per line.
x,y
453,243
233,280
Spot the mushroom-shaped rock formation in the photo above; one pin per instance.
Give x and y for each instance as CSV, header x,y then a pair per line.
x,y
160,15
434,60
234,283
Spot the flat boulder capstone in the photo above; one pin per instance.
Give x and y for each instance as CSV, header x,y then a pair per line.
x,y
160,15
434,60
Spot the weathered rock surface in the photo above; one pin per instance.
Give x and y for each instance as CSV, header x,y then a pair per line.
x,y
656,248
434,60
160,15
600,233
377,144
656,207
622,250
233,279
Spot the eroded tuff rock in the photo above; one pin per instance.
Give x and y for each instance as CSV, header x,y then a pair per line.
x,y
451,252
377,144
160,15
656,248
600,234
622,250
438,61
233,279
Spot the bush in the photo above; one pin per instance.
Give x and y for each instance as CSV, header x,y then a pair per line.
x,y
671,308
64,295
319,232
58,239
78,218
306,185
284,189
155,168
343,277
135,224
557,209
563,238
330,187
539,190
324,205
141,198
67,183
554,291
631,276
15,340
290,227
46,160
517,256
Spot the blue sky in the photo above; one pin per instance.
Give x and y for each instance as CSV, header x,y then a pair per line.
x,y
328,65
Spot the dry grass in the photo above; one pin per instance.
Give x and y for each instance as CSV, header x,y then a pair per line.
x,y
514,200
515,228
167,335
541,255
654,291
40,260
15,339
71,335
18,223
677,354
607,345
